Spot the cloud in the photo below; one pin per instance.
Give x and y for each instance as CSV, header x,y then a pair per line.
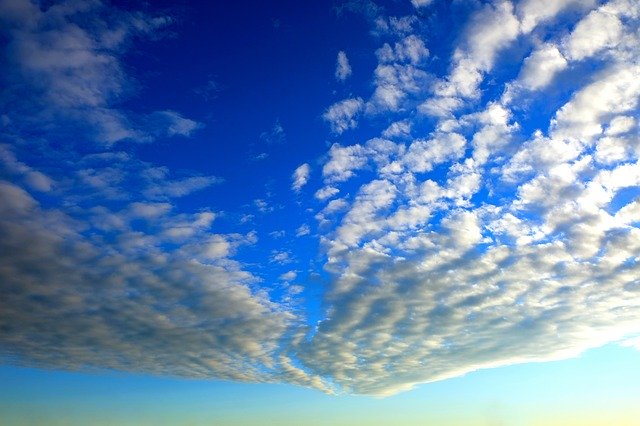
x,y
535,12
480,245
343,69
289,276
303,230
119,307
300,177
173,123
482,235
326,192
599,30
541,66
421,3
33,178
65,69
276,135
342,115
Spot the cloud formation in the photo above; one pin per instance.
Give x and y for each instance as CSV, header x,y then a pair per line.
x,y
343,69
489,218
300,177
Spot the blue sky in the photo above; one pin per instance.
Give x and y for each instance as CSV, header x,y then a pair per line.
x,y
317,201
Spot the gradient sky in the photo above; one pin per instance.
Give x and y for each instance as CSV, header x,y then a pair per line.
x,y
350,212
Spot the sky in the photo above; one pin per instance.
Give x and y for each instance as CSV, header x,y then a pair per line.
x,y
346,212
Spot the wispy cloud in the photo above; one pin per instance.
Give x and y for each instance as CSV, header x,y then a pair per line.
x,y
343,69
343,115
300,177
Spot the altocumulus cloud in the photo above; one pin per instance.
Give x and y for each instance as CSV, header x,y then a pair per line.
x,y
484,241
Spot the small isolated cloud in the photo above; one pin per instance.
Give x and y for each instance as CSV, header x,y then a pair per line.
x,y
275,135
342,115
209,91
303,230
281,257
289,276
181,187
277,234
421,3
262,205
343,69
172,123
326,192
300,177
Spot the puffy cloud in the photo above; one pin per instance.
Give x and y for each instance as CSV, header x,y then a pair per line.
x,y
616,90
326,192
492,29
398,129
300,177
289,276
410,49
423,155
481,246
343,160
118,307
541,66
534,12
394,82
342,115
343,69
599,30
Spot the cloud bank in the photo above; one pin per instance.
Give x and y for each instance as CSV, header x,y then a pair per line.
x,y
491,220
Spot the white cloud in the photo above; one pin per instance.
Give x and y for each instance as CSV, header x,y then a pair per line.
x,y
343,69
410,49
534,12
492,29
343,160
599,30
398,129
175,124
421,3
300,177
422,155
281,257
119,305
541,66
289,276
35,179
615,90
66,66
182,187
473,246
394,82
326,192
149,210
342,115
303,230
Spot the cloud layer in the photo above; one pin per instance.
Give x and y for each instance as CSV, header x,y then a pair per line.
x,y
492,218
